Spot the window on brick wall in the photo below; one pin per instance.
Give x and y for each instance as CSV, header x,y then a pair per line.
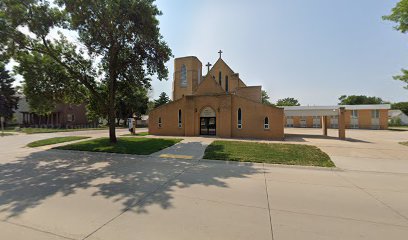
x,y
183,77
239,118
179,118
266,123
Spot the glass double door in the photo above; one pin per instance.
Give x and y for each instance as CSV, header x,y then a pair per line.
x,y
207,126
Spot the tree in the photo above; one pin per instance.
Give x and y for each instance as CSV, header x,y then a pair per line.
x,y
359,99
288,102
150,106
399,14
8,98
163,99
47,83
119,42
265,98
403,106
131,100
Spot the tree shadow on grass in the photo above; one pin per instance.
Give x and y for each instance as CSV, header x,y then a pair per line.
x,y
134,181
217,151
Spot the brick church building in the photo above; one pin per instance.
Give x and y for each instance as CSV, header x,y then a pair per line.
x,y
218,103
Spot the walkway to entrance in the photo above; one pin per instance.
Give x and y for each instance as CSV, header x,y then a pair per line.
x,y
189,148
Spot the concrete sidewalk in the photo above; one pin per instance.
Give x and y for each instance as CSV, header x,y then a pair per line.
x,y
80,195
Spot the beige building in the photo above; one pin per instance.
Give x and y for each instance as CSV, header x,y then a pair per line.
x,y
373,116
219,104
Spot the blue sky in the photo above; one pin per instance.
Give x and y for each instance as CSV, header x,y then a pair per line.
x,y
314,50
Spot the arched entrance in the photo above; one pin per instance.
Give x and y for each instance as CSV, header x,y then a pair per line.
x,y
208,122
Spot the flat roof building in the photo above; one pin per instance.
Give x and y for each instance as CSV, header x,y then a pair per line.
x,y
372,116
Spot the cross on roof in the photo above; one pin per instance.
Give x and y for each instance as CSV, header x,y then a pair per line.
x,y
220,52
208,66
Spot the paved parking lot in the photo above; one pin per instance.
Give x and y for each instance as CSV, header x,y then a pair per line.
x,y
50,194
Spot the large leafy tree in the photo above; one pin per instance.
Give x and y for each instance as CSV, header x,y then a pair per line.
x,y
47,83
163,99
403,106
287,102
359,99
8,98
399,14
118,42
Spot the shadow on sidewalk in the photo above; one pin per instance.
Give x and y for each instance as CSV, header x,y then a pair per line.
x,y
29,181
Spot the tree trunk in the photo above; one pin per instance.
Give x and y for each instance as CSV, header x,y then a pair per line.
x,y
112,91
112,110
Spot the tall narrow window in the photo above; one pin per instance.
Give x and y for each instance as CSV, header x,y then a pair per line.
x,y
266,123
219,78
226,83
183,78
239,118
179,118
160,122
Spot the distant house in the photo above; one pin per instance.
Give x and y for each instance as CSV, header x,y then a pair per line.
x,y
64,115
143,121
397,117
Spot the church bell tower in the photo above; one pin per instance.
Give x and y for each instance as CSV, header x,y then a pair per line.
x,y
187,76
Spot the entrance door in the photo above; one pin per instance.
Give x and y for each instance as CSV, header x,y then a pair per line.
x,y
207,126
289,121
354,119
375,119
316,122
334,121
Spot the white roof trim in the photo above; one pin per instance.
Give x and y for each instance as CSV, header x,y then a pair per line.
x,y
348,107
328,110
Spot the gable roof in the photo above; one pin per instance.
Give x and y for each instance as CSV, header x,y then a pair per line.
x,y
208,86
220,61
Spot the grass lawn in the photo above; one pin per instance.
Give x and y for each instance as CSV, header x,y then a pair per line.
x,y
399,128
137,134
404,143
6,134
139,146
54,140
51,130
276,153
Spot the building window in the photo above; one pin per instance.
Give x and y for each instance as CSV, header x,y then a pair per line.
x,y
354,114
226,83
219,78
179,118
375,113
266,123
183,80
70,117
239,118
160,122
